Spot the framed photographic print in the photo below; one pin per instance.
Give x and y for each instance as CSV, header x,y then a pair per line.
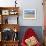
x,y
29,14
5,12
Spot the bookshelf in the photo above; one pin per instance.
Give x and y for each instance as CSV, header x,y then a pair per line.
x,y
8,25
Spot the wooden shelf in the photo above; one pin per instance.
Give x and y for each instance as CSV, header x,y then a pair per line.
x,y
7,13
9,43
10,26
3,8
13,27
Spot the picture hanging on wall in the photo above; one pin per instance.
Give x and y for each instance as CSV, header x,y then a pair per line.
x,y
5,12
29,14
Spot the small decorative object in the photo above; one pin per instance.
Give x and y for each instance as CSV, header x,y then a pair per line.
x,y
31,41
6,21
7,34
5,12
15,30
0,12
15,37
13,12
29,13
15,3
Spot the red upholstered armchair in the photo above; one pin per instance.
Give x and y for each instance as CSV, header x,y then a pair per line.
x,y
30,39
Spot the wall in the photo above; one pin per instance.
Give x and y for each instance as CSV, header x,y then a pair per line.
x,y
7,3
32,4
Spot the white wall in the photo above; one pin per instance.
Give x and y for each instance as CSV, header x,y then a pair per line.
x,y
7,3
24,4
33,4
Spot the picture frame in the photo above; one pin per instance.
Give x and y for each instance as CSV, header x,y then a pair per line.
x,y
5,12
29,14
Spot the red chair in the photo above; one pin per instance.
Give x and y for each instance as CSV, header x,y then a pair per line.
x,y
29,33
